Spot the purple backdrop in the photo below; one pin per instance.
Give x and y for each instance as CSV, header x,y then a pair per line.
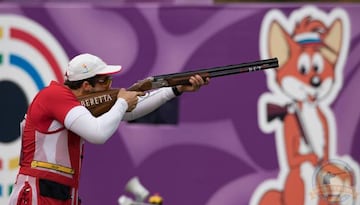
x,y
216,154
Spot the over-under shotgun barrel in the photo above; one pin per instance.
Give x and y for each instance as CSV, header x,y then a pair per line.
x,y
182,78
227,70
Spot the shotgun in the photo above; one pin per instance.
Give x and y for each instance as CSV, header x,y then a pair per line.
x,y
100,102
182,78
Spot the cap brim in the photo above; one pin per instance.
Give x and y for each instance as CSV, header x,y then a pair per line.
x,y
110,69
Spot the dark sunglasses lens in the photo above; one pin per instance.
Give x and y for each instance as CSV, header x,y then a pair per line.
x,y
105,80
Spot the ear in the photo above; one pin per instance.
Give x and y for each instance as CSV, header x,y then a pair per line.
x,y
279,45
86,86
333,41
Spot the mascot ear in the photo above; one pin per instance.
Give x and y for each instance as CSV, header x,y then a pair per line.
x,y
279,43
333,41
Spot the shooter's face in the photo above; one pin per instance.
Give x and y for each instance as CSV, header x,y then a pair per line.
x,y
103,82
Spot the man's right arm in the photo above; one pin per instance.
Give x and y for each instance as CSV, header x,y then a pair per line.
x,y
95,130
98,130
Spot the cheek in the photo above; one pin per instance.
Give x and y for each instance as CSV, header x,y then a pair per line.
x,y
293,88
328,71
98,88
325,87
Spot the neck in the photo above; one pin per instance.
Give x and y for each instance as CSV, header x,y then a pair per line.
x,y
76,92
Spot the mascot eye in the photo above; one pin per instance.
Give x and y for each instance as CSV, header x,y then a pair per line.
x,y
316,68
318,63
302,70
303,64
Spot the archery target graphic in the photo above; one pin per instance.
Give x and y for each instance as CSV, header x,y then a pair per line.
x,y
30,57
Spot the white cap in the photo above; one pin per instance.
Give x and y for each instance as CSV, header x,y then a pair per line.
x,y
86,66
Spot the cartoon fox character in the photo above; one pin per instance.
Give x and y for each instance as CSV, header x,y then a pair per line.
x,y
310,54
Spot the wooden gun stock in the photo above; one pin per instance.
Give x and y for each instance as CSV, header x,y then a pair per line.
x,y
100,102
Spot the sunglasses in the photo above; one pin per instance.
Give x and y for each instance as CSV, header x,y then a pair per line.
x,y
104,81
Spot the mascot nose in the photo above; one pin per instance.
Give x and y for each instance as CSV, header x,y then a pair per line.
x,y
315,81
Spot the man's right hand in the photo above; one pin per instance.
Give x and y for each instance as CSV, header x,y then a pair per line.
x,y
131,97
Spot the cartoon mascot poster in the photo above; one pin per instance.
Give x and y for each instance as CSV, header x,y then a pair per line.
x,y
312,47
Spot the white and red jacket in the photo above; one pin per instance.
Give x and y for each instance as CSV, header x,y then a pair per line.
x,y
46,140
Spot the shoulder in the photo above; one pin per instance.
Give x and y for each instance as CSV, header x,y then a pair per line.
x,y
56,96
57,100
57,91
56,88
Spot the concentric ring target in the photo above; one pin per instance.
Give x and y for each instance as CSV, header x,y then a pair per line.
x,y
30,57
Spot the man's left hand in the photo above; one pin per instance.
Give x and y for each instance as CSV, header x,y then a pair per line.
x,y
196,82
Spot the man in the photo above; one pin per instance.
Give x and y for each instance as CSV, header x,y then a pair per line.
x,y
56,125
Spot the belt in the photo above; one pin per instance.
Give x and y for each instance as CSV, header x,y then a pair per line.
x,y
52,166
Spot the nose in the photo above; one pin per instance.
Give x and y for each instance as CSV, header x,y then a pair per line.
x,y
315,81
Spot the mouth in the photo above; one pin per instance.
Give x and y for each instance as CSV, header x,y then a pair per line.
x,y
310,95
311,98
